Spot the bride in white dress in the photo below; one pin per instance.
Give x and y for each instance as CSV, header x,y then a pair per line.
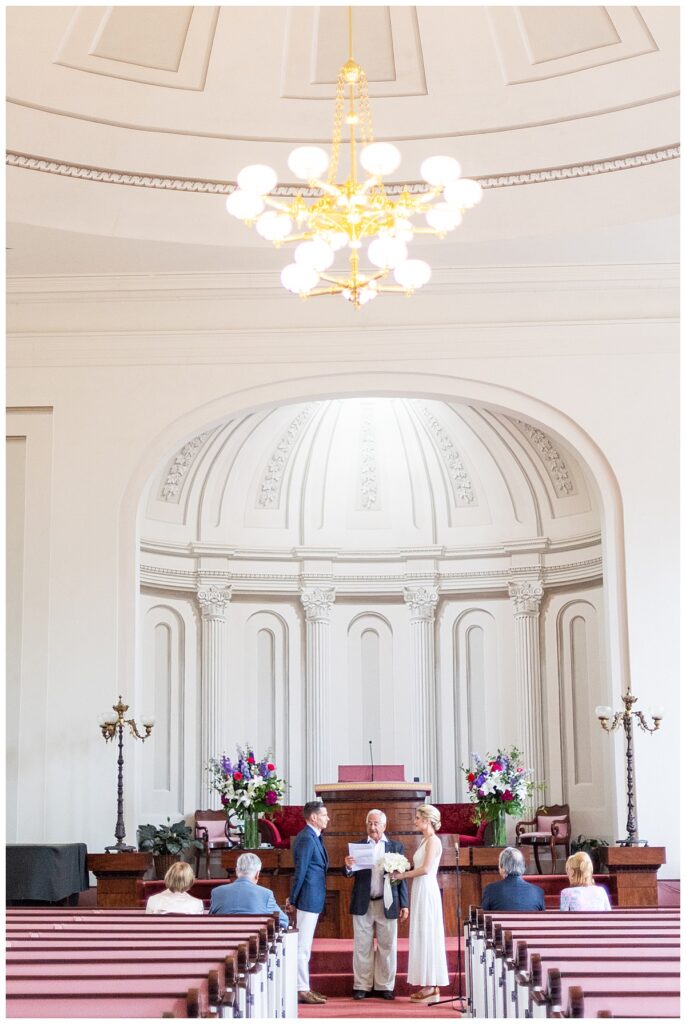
x,y
427,964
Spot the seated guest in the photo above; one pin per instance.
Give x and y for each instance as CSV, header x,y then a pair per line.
x,y
176,899
512,893
584,894
245,896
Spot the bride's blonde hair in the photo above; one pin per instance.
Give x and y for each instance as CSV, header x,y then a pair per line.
x,y
432,813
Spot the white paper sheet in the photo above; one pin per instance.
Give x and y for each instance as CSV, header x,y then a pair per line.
x,y
363,854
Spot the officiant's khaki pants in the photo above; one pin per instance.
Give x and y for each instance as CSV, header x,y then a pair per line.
x,y
374,969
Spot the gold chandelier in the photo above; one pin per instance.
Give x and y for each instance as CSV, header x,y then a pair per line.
x,y
348,215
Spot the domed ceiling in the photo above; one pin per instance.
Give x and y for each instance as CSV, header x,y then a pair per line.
x,y
134,121
370,475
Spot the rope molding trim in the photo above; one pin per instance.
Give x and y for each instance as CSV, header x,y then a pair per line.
x,y
201,185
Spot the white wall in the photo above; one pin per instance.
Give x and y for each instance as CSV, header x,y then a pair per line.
x,y
122,402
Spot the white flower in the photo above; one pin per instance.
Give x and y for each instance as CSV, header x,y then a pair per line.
x,y
394,862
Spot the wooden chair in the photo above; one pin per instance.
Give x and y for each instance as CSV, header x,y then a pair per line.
x,y
212,828
550,827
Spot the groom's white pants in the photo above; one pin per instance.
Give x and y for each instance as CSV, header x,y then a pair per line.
x,y
307,922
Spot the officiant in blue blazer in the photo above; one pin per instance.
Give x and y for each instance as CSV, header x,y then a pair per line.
x,y
374,970
245,896
308,891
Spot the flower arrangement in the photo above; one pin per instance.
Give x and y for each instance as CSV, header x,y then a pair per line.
x,y
499,784
394,862
246,785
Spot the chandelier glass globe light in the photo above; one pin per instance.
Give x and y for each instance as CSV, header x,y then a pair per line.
x,y
359,216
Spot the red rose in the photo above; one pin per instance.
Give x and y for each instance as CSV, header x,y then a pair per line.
x,y
270,768
507,795
251,759
238,776
471,777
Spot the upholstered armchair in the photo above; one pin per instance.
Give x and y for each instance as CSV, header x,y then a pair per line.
x,y
212,828
458,820
285,824
549,828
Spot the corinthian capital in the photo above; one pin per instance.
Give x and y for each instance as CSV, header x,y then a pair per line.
x,y
317,602
422,602
526,596
213,601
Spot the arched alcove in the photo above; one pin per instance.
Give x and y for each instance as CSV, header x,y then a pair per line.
x,y
372,493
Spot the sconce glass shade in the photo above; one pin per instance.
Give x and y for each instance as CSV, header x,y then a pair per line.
x,y
440,170
602,711
244,205
412,274
380,158
308,162
299,279
464,193
148,720
259,179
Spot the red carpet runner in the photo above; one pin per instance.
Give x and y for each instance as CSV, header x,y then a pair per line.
x,y
331,974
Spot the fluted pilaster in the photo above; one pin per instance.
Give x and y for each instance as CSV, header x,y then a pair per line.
x,y
212,601
526,596
422,603
317,602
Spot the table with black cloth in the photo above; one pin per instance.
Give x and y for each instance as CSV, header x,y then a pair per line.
x,y
45,873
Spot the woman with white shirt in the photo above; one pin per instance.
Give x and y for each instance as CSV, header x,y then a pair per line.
x,y
583,893
175,899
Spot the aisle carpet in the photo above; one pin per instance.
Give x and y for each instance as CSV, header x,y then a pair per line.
x,y
331,974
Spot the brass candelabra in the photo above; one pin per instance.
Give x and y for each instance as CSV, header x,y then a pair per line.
x,y
112,725
610,721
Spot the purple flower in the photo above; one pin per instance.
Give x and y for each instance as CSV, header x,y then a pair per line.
x,y
270,797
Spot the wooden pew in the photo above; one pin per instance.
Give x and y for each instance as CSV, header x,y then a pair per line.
x,y
622,1005
492,957
638,981
497,975
85,991
118,939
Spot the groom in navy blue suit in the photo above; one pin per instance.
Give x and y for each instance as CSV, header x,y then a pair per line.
x,y
308,891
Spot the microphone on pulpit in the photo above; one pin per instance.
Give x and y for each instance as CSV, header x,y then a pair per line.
x,y
371,758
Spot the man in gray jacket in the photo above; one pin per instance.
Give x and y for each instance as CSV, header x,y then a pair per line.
x,y
245,896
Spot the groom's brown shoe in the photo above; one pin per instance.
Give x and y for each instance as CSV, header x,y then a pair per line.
x,y
310,997
320,998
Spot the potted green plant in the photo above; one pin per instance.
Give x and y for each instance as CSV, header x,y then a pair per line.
x,y
166,843
590,846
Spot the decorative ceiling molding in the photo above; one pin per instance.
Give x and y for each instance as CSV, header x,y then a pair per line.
x,y
459,478
495,580
272,480
182,462
369,485
555,465
137,179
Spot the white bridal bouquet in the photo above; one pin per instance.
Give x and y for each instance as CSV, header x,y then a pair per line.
x,y
392,862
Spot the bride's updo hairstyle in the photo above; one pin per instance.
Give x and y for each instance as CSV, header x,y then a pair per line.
x,y
432,813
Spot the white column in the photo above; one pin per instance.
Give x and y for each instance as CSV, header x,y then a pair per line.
x,y
212,601
422,602
526,598
317,602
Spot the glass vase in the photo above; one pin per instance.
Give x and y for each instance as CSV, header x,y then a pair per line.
x,y
251,831
499,829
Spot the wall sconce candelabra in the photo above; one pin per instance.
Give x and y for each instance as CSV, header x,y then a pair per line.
x,y
112,725
610,721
